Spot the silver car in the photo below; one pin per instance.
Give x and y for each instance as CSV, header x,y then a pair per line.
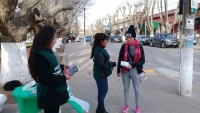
x,y
143,39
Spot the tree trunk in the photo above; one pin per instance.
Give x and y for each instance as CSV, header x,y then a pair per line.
x,y
151,32
138,31
14,63
168,28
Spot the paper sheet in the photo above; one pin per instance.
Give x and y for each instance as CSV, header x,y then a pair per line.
x,y
125,64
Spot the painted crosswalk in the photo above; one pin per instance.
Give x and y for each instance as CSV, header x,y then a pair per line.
x,y
167,72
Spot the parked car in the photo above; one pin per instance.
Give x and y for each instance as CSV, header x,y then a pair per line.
x,y
88,38
29,40
164,40
143,39
116,38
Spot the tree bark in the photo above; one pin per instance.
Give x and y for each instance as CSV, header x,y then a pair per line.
x,y
13,33
165,21
14,62
149,22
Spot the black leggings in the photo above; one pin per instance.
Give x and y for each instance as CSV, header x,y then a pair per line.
x,y
52,110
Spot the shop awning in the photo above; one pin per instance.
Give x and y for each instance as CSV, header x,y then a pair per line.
x,y
142,26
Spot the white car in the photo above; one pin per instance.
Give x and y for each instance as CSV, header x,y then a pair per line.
x,y
77,39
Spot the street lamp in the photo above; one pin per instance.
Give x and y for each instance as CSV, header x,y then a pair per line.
x,y
84,27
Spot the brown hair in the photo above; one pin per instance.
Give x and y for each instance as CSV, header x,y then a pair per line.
x,y
41,41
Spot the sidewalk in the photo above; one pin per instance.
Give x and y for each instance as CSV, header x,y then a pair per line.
x,y
158,93
197,47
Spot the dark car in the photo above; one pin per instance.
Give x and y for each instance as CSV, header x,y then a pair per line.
x,y
116,38
164,40
143,39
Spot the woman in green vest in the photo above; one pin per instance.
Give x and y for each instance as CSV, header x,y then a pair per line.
x,y
45,70
102,68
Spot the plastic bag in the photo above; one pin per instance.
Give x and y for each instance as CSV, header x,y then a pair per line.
x,y
3,99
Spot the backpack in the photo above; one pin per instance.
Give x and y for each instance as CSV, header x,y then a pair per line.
x,y
11,85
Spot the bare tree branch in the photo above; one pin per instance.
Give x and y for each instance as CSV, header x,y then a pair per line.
x,y
165,21
160,12
37,2
148,7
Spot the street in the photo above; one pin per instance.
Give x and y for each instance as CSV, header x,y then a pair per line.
x,y
158,92
163,61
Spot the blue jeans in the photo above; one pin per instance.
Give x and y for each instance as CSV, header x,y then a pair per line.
x,y
132,74
102,86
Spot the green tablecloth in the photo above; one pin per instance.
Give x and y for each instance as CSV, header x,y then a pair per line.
x,y
28,103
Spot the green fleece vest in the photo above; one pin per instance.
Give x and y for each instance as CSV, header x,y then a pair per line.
x,y
54,69
96,68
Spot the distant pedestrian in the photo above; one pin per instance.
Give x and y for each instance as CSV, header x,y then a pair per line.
x,y
102,68
45,70
73,38
63,40
133,53
67,39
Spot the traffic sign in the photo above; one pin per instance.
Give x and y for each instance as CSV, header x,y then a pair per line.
x,y
194,6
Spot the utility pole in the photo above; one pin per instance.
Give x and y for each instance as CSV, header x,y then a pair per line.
x,y
145,30
186,52
84,28
77,31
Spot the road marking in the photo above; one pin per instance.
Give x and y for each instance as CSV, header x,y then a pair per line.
x,y
194,71
168,73
149,70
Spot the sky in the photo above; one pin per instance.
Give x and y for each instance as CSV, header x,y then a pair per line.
x,y
100,9
103,7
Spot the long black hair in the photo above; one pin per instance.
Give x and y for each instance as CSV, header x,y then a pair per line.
x,y
41,41
97,41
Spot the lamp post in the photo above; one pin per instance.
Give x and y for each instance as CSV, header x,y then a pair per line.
x,y
84,27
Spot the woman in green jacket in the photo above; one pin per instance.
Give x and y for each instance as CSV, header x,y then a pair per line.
x,y
45,70
102,68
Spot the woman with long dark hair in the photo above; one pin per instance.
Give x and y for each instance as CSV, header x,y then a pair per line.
x,y
102,68
133,53
48,74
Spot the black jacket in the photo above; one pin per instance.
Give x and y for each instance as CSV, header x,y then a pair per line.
x,y
102,66
101,61
138,65
53,98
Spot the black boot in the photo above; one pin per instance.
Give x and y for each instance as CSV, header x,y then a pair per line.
x,y
100,111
